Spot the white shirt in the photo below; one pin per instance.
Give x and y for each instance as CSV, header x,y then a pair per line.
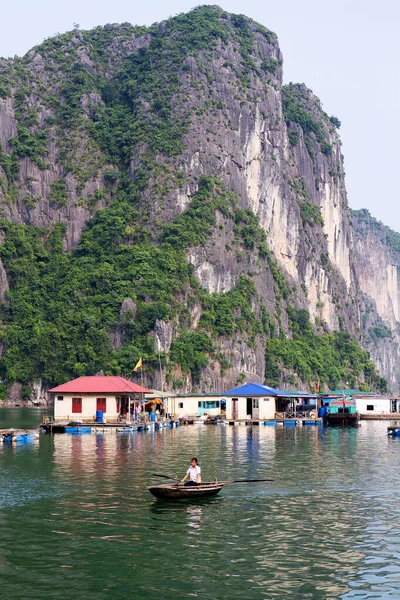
x,y
193,472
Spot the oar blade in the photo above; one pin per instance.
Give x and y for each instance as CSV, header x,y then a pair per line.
x,y
165,476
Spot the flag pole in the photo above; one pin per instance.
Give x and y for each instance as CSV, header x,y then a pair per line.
x,y
141,376
162,385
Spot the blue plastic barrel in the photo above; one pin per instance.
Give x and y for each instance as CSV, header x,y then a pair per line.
x,y
322,412
152,416
99,416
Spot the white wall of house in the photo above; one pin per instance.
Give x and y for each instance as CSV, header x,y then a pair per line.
x,y
372,405
266,408
189,405
63,406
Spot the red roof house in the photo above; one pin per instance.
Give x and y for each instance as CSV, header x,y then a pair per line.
x,y
100,384
86,398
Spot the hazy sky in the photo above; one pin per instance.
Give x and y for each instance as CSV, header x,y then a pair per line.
x,y
347,52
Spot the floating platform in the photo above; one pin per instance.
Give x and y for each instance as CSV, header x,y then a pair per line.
x,y
78,430
11,436
275,422
394,430
98,428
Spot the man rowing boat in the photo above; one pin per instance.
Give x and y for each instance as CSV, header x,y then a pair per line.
x,y
194,472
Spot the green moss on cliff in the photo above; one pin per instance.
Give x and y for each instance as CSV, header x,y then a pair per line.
x,y
296,109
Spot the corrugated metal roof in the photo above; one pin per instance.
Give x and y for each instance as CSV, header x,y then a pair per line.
x,y
100,384
159,394
252,389
257,389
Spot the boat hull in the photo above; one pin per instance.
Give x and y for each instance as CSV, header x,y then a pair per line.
x,y
342,419
181,492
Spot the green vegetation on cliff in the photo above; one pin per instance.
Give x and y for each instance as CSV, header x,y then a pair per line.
x,y
331,358
391,237
63,308
297,110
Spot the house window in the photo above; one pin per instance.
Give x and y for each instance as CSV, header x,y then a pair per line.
x,y
76,405
180,404
370,407
60,398
212,403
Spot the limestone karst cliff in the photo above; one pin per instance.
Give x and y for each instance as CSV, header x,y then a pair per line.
x,y
377,251
163,195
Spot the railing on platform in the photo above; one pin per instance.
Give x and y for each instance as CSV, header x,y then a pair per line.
x,y
294,414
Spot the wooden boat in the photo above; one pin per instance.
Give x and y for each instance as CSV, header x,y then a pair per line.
x,y
178,491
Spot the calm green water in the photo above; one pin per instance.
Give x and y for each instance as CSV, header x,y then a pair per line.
x,y
77,522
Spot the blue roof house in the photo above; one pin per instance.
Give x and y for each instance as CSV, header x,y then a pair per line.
x,y
251,401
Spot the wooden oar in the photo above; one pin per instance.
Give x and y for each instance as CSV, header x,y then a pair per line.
x,y
224,482
165,476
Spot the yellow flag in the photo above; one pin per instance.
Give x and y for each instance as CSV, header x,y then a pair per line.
x,y
138,365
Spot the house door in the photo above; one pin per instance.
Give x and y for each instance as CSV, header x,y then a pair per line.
x,y
256,411
234,408
77,405
201,409
101,404
249,408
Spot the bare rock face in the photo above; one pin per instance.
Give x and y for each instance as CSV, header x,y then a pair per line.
x,y
247,364
39,394
163,335
128,304
377,250
8,127
3,283
14,395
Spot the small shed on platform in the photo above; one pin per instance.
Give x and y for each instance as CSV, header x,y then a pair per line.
x,y
81,398
251,401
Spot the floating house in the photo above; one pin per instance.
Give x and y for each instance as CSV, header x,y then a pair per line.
x,y
196,404
251,401
84,397
340,410
369,404
377,405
